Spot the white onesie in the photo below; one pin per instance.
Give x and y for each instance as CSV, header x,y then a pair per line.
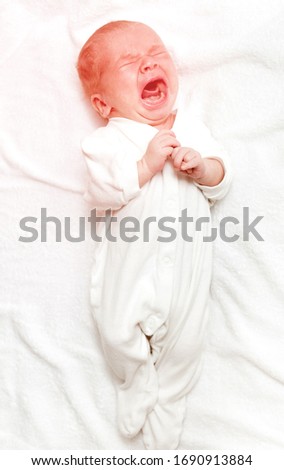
x,y
148,287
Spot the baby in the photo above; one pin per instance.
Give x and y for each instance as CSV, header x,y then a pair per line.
x,y
149,296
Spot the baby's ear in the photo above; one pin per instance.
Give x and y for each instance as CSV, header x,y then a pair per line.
x,y
100,105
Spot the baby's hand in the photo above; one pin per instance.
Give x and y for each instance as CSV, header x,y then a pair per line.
x,y
159,149
189,161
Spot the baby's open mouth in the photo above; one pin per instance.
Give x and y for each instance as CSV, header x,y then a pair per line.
x,y
154,92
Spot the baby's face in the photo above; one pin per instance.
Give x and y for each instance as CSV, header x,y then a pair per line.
x,y
139,80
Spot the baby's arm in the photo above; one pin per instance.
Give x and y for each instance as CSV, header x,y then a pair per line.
x,y
115,177
158,150
112,170
204,171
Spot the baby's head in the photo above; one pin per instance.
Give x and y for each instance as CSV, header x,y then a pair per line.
x,y
126,70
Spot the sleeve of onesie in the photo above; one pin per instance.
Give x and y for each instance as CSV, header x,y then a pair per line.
x,y
113,176
208,147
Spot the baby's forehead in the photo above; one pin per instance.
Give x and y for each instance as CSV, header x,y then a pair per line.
x,y
133,41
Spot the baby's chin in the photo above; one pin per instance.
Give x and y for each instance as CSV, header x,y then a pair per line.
x,y
155,118
151,118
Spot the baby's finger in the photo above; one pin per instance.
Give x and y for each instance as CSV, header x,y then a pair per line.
x,y
175,152
190,163
185,166
170,141
168,151
190,154
178,158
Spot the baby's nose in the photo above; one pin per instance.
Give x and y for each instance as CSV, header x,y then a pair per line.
x,y
148,64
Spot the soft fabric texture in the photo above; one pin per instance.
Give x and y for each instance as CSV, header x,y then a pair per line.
x,y
149,287
56,390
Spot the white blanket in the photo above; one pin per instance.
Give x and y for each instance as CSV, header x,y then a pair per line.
x,y
55,389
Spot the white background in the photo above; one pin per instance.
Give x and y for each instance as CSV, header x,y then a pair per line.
x,y
56,392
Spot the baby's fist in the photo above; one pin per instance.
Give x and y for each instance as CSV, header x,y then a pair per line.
x,y
189,161
159,149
